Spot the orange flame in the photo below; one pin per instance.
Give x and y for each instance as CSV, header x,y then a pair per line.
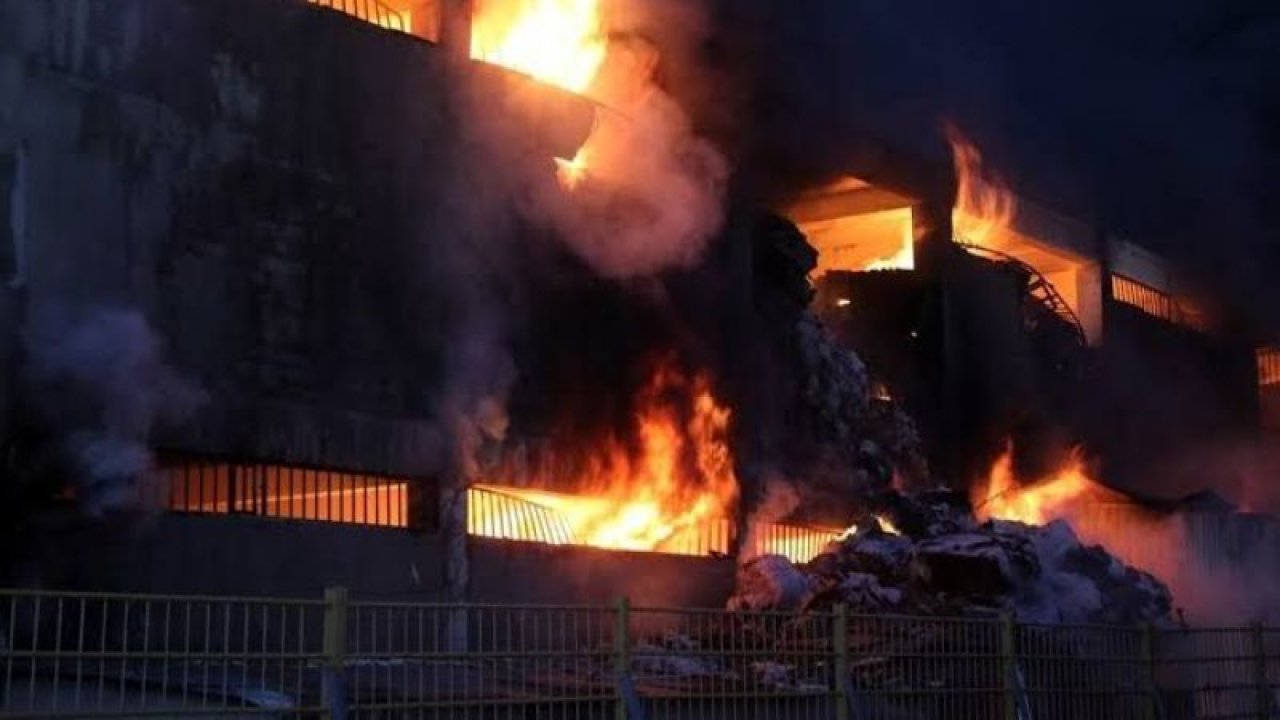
x,y
984,205
560,42
903,259
566,43
1061,494
887,525
1097,514
678,487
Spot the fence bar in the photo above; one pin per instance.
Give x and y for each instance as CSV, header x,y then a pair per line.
x,y
840,643
1149,671
121,655
1260,671
1009,665
622,654
335,652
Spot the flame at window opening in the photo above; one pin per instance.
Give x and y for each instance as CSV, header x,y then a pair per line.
x,y
656,494
984,205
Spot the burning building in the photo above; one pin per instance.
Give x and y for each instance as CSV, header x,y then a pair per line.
x,y
461,299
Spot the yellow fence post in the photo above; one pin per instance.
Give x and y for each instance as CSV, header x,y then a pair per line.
x,y
333,688
1009,666
1260,672
1149,670
840,643
622,654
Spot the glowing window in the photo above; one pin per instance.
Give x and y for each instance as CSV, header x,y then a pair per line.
x,y
856,226
523,514
1268,366
283,491
1157,303
880,240
794,542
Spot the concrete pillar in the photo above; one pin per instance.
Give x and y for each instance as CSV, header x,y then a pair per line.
x,y
455,27
1089,301
426,18
457,567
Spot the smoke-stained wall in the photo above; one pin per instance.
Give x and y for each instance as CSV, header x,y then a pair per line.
x,y
285,198
260,179
1198,391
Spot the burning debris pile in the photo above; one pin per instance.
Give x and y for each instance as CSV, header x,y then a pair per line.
x,y
838,391
950,564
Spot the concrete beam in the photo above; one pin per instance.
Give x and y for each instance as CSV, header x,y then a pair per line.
x,y
832,206
455,27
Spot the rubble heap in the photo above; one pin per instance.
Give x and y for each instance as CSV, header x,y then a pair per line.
x,y
871,434
946,563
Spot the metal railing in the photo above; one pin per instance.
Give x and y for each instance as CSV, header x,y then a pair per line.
x,y
103,655
1157,303
797,543
90,654
205,485
370,11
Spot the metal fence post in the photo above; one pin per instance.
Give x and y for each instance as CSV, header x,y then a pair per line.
x,y
1260,672
333,685
840,643
622,654
1009,666
1149,670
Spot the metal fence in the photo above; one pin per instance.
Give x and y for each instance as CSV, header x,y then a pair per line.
x,y
193,484
100,655
371,11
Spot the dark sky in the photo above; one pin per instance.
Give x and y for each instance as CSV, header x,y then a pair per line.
x,y
1162,119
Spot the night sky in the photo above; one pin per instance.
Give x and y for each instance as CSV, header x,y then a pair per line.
x,y
1160,120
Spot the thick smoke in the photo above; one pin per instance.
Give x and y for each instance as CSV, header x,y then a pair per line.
x,y
651,201
653,195
100,383
466,289
653,190
781,498
1220,566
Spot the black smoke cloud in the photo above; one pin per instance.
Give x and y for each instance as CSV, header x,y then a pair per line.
x,y
100,385
1158,120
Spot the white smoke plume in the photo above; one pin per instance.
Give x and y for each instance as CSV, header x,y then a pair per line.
x,y
781,498
652,193
651,201
653,196
100,383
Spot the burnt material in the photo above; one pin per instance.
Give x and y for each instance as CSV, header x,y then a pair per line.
x,y
960,567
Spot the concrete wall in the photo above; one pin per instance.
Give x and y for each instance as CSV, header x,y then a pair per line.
x,y
260,178
236,556
507,572
1164,394
192,554
271,184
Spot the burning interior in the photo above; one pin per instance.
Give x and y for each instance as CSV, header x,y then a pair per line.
x,y
634,362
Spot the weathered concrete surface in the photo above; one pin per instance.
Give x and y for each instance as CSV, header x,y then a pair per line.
x,y
246,556
186,554
269,183
503,571
254,175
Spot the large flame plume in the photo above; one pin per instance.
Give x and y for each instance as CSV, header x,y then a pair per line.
x,y
643,193
1099,515
984,206
671,483
565,43
1061,494
560,42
